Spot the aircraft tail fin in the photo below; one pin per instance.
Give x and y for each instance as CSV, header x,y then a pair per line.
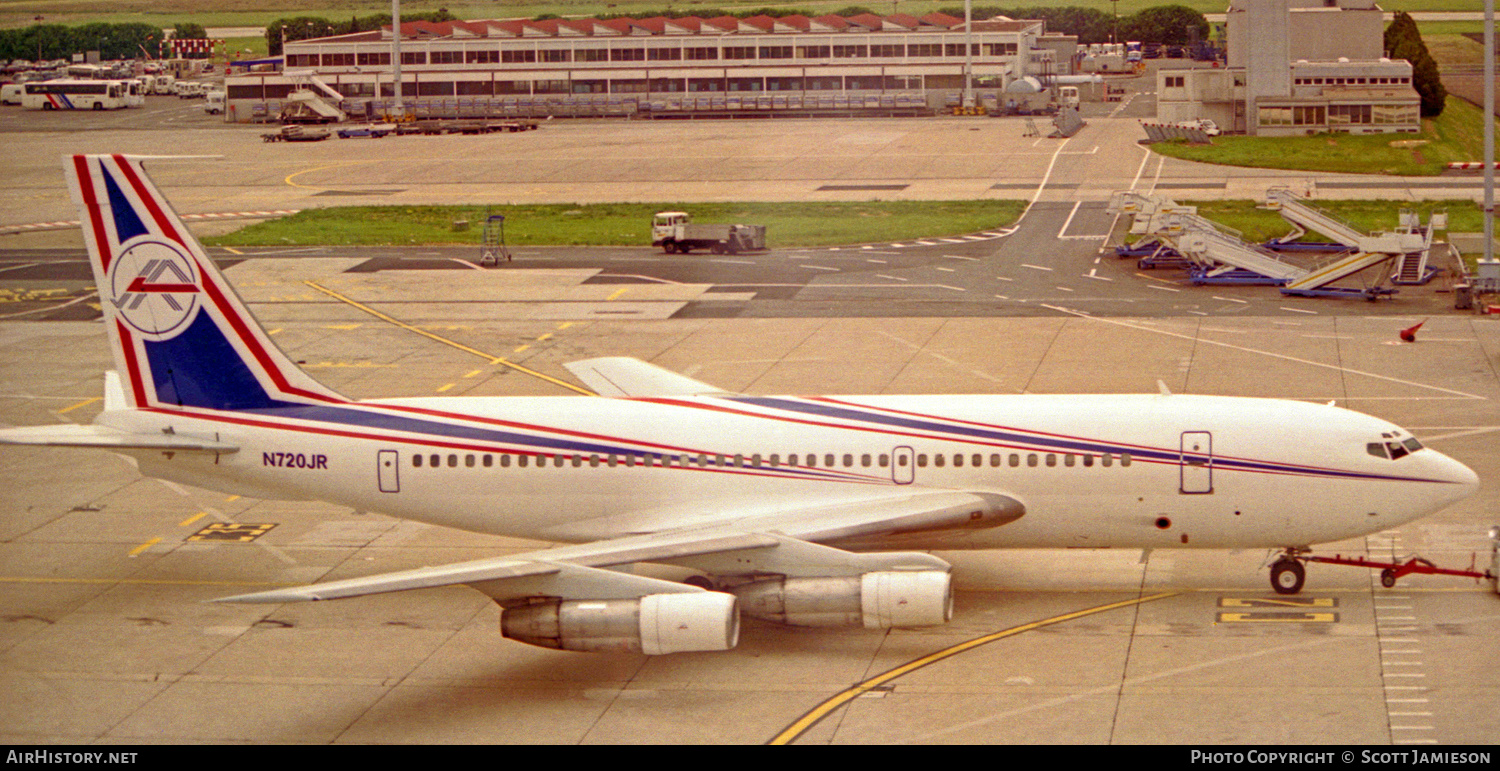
x,y
180,335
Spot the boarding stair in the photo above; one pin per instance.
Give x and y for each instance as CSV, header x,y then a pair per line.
x,y
1410,245
1212,247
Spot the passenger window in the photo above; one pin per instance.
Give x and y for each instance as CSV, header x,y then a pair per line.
x,y
1108,460
828,460
775,459
958,460
1068,460
452,461
755,460
995,459
1031,460
1088,461
522,460
436,460
1051,459
922,460
791,460
848,460
1124,459
489,460
416,461
812,460
505,461
977,460
1015,460
469,461
938,459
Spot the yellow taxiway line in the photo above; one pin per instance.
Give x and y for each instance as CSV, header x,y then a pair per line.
x,y
445,341
797,728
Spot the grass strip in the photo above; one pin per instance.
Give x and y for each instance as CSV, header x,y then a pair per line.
x,y
619,224
1456,135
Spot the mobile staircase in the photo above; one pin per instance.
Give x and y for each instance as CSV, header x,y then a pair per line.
x,y
1409,245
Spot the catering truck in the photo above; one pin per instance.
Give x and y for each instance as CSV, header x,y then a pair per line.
x,y
674,231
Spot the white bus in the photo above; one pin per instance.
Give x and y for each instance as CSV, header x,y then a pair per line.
x,y
77,95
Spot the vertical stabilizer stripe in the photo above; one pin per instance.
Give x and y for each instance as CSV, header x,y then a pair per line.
x,y
133,366
96,217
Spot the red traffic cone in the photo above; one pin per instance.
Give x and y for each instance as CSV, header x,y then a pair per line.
x,y
1410,335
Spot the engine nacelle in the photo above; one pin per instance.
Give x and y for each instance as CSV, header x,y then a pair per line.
x,y
654,624
874,600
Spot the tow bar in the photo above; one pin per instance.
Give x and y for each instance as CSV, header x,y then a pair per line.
x,y
1390,572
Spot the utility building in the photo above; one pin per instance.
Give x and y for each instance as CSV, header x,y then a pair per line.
x,y
1298,67
632,65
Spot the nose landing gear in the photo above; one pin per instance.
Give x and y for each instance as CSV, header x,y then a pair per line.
x,y
1287,573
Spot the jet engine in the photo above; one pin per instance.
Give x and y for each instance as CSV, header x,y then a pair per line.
x,y
654,624
874,600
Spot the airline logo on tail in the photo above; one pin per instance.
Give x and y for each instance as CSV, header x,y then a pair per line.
x,y
182,338
154,287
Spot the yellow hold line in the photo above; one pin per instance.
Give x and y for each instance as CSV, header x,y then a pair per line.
x,y
137,550
796,729
445,341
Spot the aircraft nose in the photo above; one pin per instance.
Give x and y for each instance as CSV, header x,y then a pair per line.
x,y
1465,482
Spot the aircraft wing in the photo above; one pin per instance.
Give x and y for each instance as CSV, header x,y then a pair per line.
x,y
105,437
624,376
780,544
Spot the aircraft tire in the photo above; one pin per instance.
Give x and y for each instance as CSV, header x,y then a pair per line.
x,y
1287,576
1388,578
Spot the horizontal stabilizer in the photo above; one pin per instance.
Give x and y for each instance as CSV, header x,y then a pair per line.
x,y
69,435
624,376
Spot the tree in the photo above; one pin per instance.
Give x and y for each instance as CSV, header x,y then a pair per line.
x,y
1168,24
1404,41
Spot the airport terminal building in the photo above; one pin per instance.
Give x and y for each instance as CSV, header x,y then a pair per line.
x,y
1298,67
622,66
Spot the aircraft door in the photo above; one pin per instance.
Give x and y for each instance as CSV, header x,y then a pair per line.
x,y
1197,463
388,467
903,466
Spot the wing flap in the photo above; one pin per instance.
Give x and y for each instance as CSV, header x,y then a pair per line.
x,y
568,571
105,437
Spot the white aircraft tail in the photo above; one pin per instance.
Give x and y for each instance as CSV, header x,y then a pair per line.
x,y
180,335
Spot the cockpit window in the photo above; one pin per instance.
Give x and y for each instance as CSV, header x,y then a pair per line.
x,y
1393,449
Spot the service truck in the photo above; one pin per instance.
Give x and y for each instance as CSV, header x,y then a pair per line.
x,y
674,231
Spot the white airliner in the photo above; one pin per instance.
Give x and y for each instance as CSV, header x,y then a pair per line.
x,y
802,510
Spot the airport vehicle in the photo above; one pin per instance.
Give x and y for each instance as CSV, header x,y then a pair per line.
x,y
10,93
76,95
369,130
801,510
213,102
297,133
674,231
